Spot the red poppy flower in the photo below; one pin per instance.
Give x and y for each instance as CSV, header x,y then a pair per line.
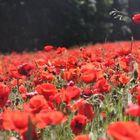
x,y
67,75
123,51
60,50
109,63
124,63
73,92
57,64
50,118
82,137
86,54
124,130
101,86
45,75
85,108
13,73
78,123
89,76
15,120
87,92
133,110
136,19
37,104
46,89
4,93
40,62
72,61
123,79
59,97
48,48
25,69
19,122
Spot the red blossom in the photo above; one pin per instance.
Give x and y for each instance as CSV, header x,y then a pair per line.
x,y
48,48
133,110
37,104
101,86
73,92
136,18
15,120
4,93
78,123
25,69
50,118
124,130
82,137
46,89
88,76
84,108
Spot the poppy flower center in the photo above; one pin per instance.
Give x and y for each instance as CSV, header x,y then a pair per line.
x,y
78,125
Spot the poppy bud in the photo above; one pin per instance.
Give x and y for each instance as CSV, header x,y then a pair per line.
x,y
136,19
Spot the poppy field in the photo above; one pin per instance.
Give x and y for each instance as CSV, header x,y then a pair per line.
x,y
84,93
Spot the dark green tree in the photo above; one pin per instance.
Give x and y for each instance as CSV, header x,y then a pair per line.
x,y
30,24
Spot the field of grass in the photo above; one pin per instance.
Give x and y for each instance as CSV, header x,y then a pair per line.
x,y
86,93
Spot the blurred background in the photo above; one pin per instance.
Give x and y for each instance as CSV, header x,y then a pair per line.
x,y
31,24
